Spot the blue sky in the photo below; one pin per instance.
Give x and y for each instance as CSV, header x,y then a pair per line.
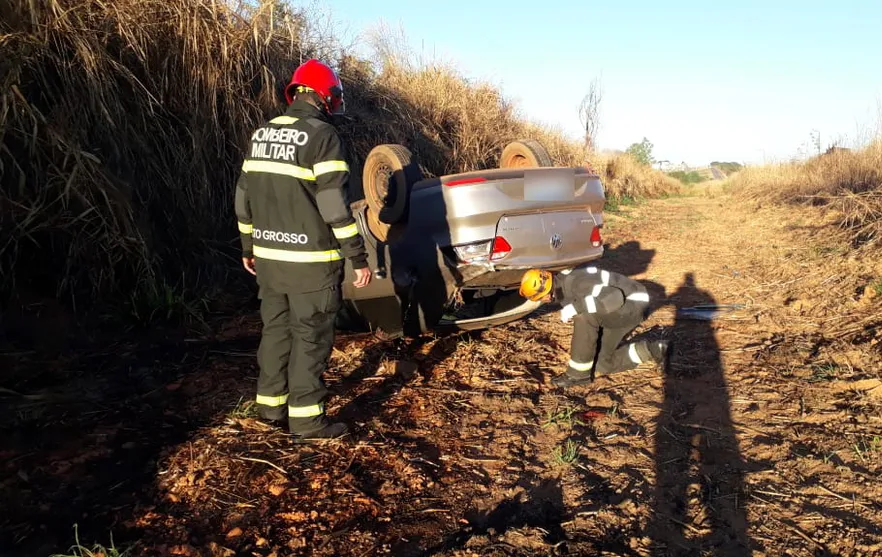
x,y
746,81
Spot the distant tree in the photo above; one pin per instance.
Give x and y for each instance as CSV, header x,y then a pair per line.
x,y
642,152
691,177
589,114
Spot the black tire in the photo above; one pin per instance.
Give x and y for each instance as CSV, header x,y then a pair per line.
x,y
383,231
525,153
389,173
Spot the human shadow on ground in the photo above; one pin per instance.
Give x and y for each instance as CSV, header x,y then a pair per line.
x,y
698,504
402,354
631,259
628,258
539,505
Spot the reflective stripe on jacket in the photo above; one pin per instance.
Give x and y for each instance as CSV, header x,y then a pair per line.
x,y
589,290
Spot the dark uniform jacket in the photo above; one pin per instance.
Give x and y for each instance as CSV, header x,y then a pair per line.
x,y
292,203
596,298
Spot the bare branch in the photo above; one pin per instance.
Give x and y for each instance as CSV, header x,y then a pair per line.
x,y
589,112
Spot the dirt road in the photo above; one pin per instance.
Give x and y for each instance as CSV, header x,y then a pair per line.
x,y
763,440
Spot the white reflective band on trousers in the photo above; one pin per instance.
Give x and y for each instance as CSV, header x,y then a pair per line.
x,y
581,367
632,353
638,297
306,411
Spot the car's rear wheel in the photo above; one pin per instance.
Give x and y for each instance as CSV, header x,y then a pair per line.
x,y
525,153
383,231
388,175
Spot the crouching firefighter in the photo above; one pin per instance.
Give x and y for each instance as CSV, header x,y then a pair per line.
x,y
600,304
296,230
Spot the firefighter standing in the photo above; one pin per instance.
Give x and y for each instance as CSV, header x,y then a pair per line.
x,y
600,303
296,230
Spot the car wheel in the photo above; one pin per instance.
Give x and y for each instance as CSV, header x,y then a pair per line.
x,y
388,175
525,153
383,231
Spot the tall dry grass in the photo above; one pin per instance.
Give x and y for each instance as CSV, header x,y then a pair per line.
x,y
122,128
847,184
123,125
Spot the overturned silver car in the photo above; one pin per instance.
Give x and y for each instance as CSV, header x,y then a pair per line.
x,y
448,252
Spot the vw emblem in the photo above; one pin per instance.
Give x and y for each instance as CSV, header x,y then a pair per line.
x,y
556,241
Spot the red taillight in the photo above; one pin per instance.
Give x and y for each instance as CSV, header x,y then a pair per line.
x,y
596,240
465,181
500,249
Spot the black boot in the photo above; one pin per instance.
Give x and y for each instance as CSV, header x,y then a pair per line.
x,y
333,430
318,427
661,352
274,417
567,380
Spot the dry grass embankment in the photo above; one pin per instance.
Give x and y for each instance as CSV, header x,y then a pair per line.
x,y
623,176
845,184
123,126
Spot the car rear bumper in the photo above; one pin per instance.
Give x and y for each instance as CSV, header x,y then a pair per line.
x,y
518,312
551,265
507,274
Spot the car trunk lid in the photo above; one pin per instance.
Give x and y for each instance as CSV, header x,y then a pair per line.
x,y
472,202
546,239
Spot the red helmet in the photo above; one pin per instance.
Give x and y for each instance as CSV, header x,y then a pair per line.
x,y
320,79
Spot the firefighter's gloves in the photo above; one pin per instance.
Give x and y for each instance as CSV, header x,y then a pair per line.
x,y
567,313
